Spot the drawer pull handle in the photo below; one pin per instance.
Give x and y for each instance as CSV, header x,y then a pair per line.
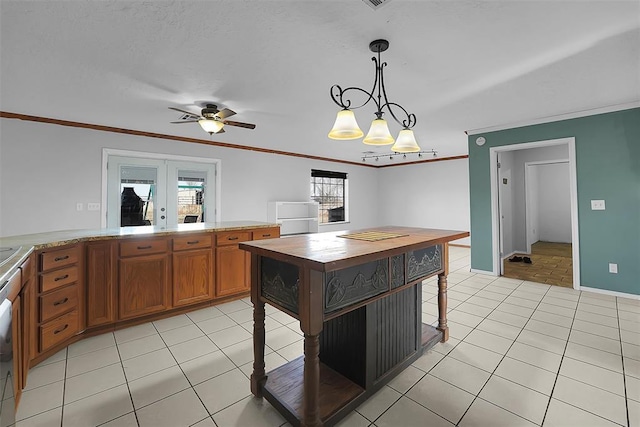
x,y
266,235
232,238
62,301
61,258
144,247
195,242
60,278
57,331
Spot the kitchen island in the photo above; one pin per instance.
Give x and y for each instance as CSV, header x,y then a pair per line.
x,y
358,297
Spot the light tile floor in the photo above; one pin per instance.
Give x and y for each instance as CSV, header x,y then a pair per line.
x,y
520,353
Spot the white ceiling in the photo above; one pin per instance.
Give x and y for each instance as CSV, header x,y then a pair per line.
x,y
457,64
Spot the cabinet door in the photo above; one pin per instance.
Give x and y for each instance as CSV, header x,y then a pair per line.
x,y
143,286
101,283
192,276
232,270
16,331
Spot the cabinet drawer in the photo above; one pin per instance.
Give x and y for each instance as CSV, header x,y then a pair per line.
x,y
232,237
59,258
266,233
143,247
198,241
57,302
58,330
57,279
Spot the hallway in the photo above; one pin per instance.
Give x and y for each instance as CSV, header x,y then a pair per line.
x,y
551,263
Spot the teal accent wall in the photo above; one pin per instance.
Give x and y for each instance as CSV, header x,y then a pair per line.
x,y
607,167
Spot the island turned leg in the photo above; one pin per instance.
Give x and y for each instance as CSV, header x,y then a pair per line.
x,y
258,377
311,413
442,306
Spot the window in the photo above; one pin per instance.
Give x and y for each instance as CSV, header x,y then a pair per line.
x,y
329,189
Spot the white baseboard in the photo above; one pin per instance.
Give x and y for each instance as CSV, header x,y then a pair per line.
x,y
490,273
612,293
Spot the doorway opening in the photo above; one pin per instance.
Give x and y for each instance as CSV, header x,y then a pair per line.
x,y
535,212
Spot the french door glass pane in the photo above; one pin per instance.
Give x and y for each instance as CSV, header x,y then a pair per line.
x,y
191,195
137,193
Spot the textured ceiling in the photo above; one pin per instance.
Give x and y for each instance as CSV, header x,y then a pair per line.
x,y
458,65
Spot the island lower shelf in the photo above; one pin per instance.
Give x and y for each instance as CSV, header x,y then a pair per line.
x,y
284,389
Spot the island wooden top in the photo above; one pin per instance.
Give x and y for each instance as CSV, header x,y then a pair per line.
x,y
329,251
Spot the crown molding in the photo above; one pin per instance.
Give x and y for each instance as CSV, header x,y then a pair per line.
x,y
556,118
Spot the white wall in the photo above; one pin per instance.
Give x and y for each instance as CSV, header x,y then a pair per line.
x,y
557,152
432,195
554,203
506,202
46,169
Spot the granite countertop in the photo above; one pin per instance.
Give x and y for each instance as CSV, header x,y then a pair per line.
x,y
30,242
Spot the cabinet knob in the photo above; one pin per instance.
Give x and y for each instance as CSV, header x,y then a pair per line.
x,y
61,258
144,247
60,278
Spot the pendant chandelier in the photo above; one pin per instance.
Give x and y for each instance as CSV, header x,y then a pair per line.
x,y
346,127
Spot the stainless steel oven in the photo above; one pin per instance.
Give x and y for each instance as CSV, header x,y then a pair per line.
x,y
6,360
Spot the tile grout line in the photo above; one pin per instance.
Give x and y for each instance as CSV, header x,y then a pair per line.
x,y
126,380
503,356
566,344
624,377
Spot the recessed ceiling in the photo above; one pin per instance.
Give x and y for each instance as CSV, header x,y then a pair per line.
x,y
457,65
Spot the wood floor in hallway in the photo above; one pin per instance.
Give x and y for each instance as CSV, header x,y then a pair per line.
x,y
551,263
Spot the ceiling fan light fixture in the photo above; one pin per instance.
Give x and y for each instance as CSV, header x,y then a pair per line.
x,y
378,133
345,127
406,142
211,125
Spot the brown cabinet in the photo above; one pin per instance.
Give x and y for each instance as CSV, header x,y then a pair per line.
x,y
232,264
192,270
102,279
143,283
57,302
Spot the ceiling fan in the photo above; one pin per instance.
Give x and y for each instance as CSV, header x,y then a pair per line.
x,y
211,119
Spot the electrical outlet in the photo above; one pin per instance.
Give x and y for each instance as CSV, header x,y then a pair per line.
x,y
93,206
613,268
79,207
597,205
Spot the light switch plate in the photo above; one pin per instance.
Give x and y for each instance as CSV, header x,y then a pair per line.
x,y
613,268
79,207
597,205
93,206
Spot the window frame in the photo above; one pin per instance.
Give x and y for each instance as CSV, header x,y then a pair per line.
x,y
317,173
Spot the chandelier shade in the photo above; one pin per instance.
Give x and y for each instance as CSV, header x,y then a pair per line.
x,y
346,127
211,125
406,142
378,133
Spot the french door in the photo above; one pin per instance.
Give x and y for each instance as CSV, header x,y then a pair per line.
x,y
159,192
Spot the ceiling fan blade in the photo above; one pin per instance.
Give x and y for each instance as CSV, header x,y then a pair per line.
x,y
223,114
185,112
240,124
185,121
